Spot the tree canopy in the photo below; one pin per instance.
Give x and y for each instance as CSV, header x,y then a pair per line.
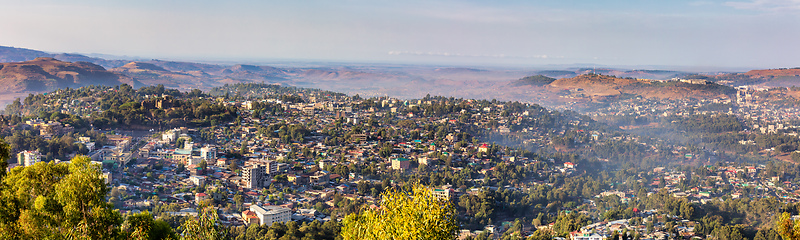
x,y
404,214
57,201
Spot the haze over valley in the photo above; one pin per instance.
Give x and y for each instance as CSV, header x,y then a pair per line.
x,y
32,71
373,120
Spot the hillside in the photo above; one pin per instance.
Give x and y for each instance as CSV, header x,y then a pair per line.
x,y
46,74
642,74
598,87
538,80
152,74
12,54
768,73
782,77
592,85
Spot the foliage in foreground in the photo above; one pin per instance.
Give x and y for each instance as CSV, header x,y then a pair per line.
x,y
57,201
411,214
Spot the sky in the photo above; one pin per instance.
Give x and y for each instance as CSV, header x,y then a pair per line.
x,y
728,33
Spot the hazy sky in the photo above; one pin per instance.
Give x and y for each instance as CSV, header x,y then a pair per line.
x,y
735,33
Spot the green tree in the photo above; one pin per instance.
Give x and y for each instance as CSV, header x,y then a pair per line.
x,y
282,178
203,165
180,142
57,201
4,155
788,229
412,214
205,226
243,150
143,226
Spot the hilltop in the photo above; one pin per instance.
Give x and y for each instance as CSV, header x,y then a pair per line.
x,y
782,77
576,87
45,74
598,86
640,73
12,54
769,73
538,80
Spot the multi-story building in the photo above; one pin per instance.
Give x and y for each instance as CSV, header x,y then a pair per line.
x,y
198,180
267,215
359,137
51,128
170,136
208,152
320,178
400,164
271,167
107,176
258,173
28,158
445,193
253,176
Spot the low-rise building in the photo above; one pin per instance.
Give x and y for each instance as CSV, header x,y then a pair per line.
x,y
320,178
249,217
267,215
198,180
200,197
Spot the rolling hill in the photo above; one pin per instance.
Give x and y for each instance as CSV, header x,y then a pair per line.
x,y
642,74
555,87
47,74
601,87
781,77
538,80
12,54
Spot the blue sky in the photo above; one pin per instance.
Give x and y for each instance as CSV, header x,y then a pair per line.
x,y
735,33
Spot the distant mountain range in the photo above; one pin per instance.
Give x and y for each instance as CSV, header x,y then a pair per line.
x,y
12,54
47,74
29,70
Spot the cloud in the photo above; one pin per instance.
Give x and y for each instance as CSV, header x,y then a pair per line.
x,y
701,3
447,54
766,5
466,12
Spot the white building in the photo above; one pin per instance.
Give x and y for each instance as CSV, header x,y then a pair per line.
x,y
193,160
271,214
586,236
444,193
197,180
90,146
107,176
258,173
170,135
28,158
208,152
